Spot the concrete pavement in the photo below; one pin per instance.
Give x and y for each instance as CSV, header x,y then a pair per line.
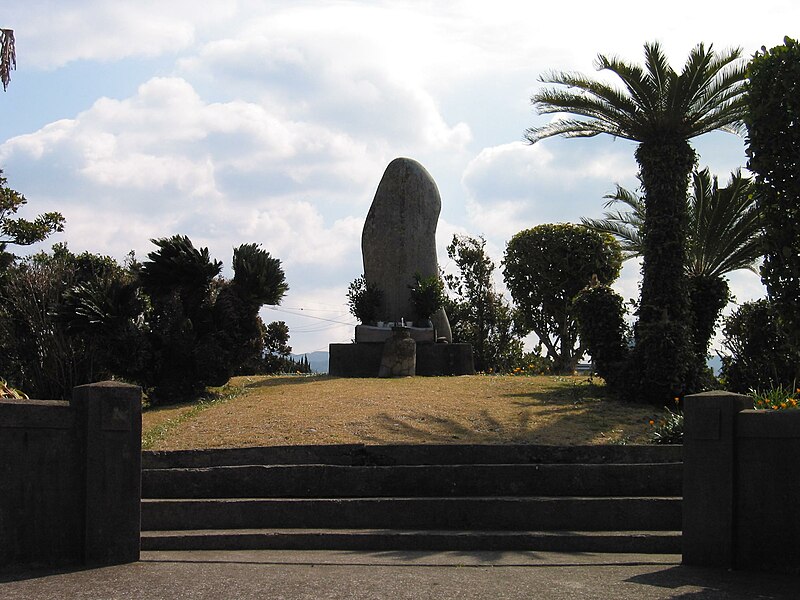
x,y
295,575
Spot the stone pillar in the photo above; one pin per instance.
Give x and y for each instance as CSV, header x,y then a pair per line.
x,y
399,357
709,446
109,416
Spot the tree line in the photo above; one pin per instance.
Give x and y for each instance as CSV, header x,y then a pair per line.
x,y
170,323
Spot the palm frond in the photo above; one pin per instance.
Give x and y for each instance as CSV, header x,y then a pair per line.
x,y
724,230
632,77
659,74
568,128
627,235
627,226
652,104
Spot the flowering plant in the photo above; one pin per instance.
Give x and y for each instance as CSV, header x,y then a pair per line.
x,y
776,398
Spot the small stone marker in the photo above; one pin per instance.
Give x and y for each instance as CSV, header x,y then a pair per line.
x,y
399,357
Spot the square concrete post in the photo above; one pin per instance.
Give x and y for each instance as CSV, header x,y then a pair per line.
x,y
709,450
110,427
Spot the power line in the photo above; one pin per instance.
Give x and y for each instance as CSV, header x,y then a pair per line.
x,y
295,314
305,309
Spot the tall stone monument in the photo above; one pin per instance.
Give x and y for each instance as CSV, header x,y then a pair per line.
x,y
397,243
399,240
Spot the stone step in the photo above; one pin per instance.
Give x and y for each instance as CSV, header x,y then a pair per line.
x,y
647,542
477,513
417,454
314,481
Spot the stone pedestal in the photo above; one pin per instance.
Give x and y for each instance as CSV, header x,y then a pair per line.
x,y
433,360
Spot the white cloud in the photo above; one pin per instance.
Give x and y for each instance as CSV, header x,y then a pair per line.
x,y
51,35
514,186
330,78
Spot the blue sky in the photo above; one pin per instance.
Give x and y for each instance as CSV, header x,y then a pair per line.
x,y
272,122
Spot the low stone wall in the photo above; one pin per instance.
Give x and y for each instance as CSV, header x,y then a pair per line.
x,y
767,508
741,484
70,477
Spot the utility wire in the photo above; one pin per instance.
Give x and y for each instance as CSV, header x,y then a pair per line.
x,y
288,312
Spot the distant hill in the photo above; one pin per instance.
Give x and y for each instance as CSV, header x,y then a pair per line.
x,y
317,360
715,362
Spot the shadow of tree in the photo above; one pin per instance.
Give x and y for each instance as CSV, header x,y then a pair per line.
x,y
550,416
275,381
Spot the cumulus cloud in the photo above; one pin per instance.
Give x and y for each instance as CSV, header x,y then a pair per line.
x,y
321,78
516,185
53,34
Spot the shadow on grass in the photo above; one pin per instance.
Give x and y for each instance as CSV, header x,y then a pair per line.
x,y
567,428
575,391
266,381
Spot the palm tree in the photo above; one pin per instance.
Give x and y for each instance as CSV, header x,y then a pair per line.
x,y
723,235
8,56
661,110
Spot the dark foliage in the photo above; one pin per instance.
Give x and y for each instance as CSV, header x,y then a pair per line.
x,y
773,148
18,231
544,268
600,313
724,235
427,296
201,328
478,314
41,351
363,299
760,357
274,355
171,324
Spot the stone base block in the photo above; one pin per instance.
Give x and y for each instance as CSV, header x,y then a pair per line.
x,y
364,359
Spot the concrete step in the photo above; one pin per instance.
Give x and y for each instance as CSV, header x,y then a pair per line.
x,y
417,454
477,513
328,481
647,542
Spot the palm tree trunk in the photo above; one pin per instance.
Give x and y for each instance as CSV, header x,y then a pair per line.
x,y
663,334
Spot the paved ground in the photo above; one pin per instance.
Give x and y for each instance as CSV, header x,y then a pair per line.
x,y
295,575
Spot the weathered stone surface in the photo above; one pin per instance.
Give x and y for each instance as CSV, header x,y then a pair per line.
x,y
399,357
399,239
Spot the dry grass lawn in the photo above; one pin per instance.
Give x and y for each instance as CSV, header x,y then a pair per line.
x,y
286,410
